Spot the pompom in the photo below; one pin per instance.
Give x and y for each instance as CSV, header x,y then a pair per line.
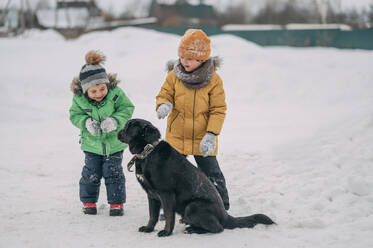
x,y
94,58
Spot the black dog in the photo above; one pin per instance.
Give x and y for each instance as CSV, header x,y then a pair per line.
x,y
170,180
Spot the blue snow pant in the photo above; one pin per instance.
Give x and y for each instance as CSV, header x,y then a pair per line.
x,y
98,166
210,167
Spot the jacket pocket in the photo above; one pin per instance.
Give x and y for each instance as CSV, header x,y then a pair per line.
x,y
172,121
200,125
206,118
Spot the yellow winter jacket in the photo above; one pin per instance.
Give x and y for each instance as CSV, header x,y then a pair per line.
x,y
195,112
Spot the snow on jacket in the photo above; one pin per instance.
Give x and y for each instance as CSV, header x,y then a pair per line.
x,y
196,110
115,105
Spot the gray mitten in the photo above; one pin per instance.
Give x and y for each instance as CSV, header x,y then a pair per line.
x,y
92,126
108,124
164,109
208,144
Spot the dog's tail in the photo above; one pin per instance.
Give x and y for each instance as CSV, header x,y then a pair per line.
x,y
248,221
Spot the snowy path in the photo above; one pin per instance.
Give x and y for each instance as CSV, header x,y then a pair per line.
x,y
296,144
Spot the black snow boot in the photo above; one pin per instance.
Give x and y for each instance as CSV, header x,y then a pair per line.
x,y
116,210
90,208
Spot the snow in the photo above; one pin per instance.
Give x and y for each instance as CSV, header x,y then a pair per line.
x,y
296,144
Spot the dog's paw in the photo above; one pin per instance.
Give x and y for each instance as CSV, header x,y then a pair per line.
x,y
146,229
164,233
191,230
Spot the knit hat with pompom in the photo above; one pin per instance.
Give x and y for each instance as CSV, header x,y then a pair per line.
x,y
195,45
92,72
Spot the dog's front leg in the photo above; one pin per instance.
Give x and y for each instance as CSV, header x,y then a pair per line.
x,y
168,204
154,208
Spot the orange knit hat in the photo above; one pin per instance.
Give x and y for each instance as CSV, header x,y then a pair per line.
x,y
195,45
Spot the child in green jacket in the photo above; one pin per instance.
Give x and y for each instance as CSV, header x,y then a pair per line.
x,y
100,109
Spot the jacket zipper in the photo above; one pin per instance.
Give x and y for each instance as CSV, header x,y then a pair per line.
x,y
103,144
104,148
194,106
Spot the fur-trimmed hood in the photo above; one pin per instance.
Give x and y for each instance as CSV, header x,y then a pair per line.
x,y
217,61
76,87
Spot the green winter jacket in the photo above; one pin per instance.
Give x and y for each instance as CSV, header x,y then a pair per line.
x,y
115,105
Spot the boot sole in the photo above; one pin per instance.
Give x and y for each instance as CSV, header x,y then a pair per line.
x,y
90,211
116,212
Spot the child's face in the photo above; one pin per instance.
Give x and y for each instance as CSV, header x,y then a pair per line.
x,y
190,64
97,92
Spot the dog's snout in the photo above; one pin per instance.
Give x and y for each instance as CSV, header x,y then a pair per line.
x,y
123,137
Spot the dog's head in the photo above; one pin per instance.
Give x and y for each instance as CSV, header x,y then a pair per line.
x,y
137,133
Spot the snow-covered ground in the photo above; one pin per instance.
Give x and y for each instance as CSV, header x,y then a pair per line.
x,y
297,143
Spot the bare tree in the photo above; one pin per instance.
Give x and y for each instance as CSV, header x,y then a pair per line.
x,y
370,15
43,4
290,11
4,12
237,14
317,11
322,7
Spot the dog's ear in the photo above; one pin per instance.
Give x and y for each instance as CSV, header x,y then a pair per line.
x,y
151,134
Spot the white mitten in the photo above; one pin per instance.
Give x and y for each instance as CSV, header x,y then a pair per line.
x,y
208,144
164,109
92,126
108,124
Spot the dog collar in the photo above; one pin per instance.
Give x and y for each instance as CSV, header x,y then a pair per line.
x,y
147,150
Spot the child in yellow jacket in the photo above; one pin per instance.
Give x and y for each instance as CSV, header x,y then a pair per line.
x,y
193,98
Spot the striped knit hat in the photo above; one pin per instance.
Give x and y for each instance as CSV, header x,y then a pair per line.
x,y
92,72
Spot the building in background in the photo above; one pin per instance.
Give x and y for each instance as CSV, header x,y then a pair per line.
x,y
181,13
70,15
14,19
73,18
